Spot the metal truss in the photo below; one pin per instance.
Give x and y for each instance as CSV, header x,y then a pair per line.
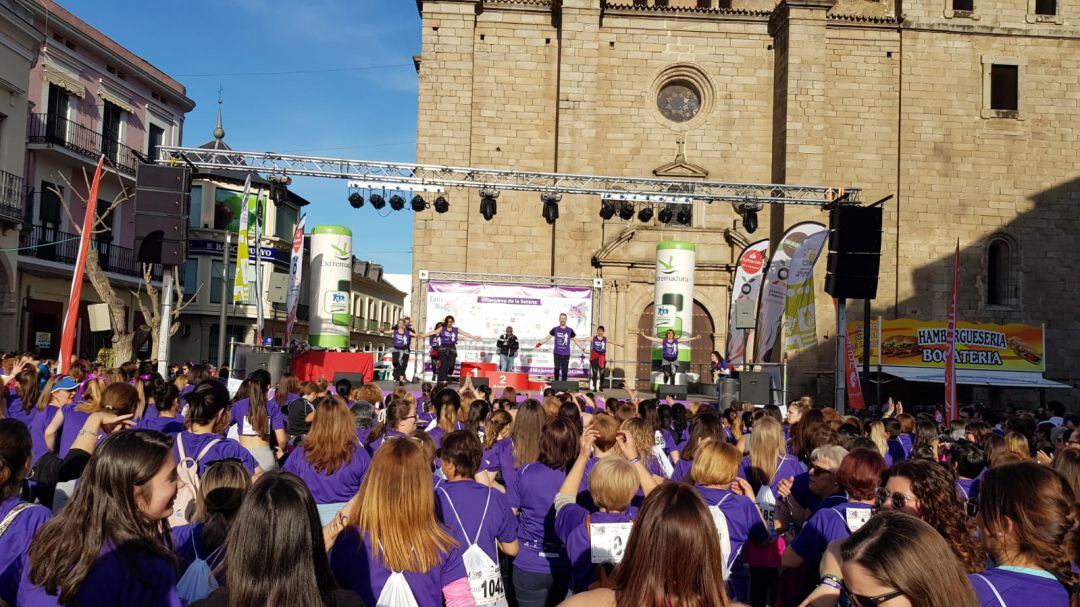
x,y
421,175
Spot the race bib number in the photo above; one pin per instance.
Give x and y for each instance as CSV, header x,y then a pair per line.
x,y
856,518
487,587
658,440
608,541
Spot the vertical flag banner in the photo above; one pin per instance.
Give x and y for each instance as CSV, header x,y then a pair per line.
x,y
854,385
330,291
71,317
774,288
296,272
800,318
952,408
241,289
673,297
259,296
745,287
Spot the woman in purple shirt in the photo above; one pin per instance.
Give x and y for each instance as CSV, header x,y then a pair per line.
x,y
167,419
110,545
448,339
207,419
258,421
542,567
393,543
20,519
402,336
670,346
330,461
23,396
1029,528
707,426
400,421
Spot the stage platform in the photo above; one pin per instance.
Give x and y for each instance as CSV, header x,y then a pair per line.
x,y
619,393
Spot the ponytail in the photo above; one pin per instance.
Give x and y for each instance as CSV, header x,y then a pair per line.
x,y
26,384
205,402
258,384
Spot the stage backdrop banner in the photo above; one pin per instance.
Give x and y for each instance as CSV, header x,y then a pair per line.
x,y
800,319
673,295
774,290
746,287
485,310
330,293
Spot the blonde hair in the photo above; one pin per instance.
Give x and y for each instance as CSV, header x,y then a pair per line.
x,y
613,483
715,463
1017,444
397,509
91,400
551,406
370,393
877,434
766,449
643,436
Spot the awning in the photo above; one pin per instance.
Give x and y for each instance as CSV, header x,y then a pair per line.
x,y
115,99
68,82
969,377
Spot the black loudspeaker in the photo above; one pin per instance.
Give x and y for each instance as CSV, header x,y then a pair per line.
x,y
729,393
708,390
276,363
480,382
566,386
669,390
854,252
356,379
161,214
755,387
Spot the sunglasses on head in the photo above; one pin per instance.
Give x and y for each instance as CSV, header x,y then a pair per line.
x,y
860,600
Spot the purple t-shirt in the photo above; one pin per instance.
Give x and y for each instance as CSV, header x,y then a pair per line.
x,y
15,543
1017,588
599,345
968,488
824,526
359,570
334,488
572,528
112,582
240,414
562,335
541,549
682,470
492,458
225,448
166,425
73,422
290,397
485,522
671,349
743,519
787,466
374,445
907,442
401,340
664,440
15,410
896,450
448,337
37,431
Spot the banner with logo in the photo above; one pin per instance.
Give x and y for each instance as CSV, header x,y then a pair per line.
x,y
260,319
330,292
774,290
746,287
296,273
854,385
485,310
800,317
241,288
71,317
673,293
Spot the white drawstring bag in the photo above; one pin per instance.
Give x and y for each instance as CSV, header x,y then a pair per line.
x,y
725,535
662,458
396,592
485,578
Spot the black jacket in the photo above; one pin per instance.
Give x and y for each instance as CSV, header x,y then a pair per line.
x,y
507,345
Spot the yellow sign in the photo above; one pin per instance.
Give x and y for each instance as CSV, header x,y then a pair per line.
x,y
914,343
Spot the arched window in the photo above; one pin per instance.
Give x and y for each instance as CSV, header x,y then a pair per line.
x,y
1001,276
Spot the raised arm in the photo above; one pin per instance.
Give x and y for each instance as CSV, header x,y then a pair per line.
x,y
690,337
541,343
469,335
655,340
572,482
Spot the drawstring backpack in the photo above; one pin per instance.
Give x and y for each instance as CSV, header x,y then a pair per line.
x,y
661,456
188,471
725,535
485,578
607,545
198,580
396,592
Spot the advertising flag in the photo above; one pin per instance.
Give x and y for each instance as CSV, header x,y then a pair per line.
x,y
745,287
258,270
800,319
241,289
71,318
952,408
296,272
774,290
854,386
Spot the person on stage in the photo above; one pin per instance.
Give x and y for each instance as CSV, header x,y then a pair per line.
x,y
448,339
721,368
433,349
597,346
670,344
507,345
564,336
402,335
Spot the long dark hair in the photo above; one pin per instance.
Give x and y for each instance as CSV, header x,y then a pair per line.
x,y
705,427
398,410
104,510
257,383
528,426
27,387
478,413
274,554
15,448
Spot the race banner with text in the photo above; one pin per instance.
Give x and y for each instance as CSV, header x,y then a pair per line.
x,y
296,274
485,310
241,288
800,317
746,287
907,342
774,290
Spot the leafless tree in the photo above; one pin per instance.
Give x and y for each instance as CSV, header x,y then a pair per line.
x,y
151,310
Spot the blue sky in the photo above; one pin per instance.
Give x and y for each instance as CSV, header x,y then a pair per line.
x,y
367,113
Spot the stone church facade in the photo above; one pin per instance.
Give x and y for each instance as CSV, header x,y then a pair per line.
x,y
967,111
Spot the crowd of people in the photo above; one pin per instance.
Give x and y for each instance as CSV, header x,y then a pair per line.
x,y
123,487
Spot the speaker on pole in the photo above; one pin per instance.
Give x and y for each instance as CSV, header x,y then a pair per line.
x,y
161,214
854,252
745,317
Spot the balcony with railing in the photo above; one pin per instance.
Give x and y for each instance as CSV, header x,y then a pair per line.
x,y
303,311
50,129
50,244
12,197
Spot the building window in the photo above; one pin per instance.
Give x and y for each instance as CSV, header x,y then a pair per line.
x,y
679,101
189,277
195,207
112,116
1045,7
285,222
49,205
966,6
1001,272
56,120
1004,87
155,139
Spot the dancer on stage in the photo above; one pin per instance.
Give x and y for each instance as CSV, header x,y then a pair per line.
x,y
433,349
403,336
597,346
448,339
564,336
670,344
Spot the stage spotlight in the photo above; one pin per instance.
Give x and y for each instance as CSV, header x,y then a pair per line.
x,y
418,203
488,206
607,210
441,204
551,206
397,202
377,201
666,214
750,221
645,214
685,215
626,211
356,200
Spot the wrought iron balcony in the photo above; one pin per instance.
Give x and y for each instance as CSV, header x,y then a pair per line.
x,y
50,244
51,129
12,197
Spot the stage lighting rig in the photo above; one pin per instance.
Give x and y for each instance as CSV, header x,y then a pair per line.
x,y
551,206
607,210
418,203
488,206
377,201
356,200
442,205
626,210
645,214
